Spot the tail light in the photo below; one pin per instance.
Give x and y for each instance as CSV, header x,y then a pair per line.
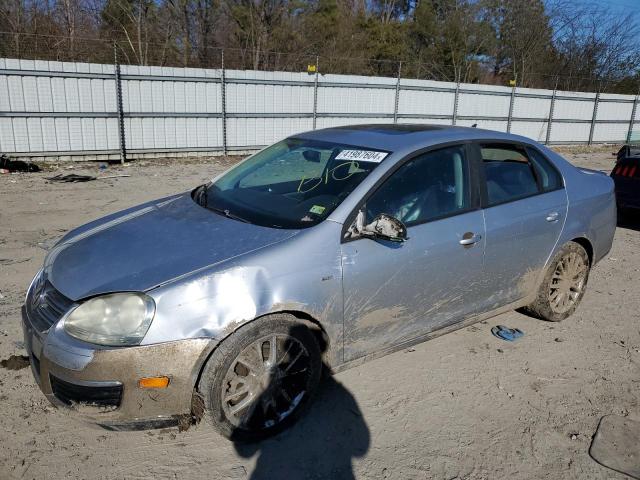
x,y
626,168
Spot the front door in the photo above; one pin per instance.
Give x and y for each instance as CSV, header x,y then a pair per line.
x,y
395,292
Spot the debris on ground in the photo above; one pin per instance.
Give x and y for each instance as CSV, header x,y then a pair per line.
x,y
112,176
12,166
13,261
508,334
15,362
616,445
74,177
71,178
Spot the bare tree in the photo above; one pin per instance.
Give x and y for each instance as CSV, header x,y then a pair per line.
x,y
595,46
582,45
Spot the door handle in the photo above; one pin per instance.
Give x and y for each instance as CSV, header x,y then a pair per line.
x,y
553,217
470,238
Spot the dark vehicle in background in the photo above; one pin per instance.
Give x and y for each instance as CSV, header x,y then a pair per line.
x,y
626,176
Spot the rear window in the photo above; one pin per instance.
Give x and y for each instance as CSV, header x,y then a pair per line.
x,y
629,151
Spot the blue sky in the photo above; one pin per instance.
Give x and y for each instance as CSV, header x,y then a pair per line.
x,y
618,7
625,7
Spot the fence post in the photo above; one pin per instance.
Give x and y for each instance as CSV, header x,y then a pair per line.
x,y
315,92
595,114
513,96
454,116
551,107
632,121
397,101
123,143
223,92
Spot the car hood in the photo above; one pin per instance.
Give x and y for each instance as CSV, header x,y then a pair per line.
x,y
143,247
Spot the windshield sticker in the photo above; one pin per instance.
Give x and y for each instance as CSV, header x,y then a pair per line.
x,y
362,155
317,209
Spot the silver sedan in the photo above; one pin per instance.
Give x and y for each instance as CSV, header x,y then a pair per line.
x,y
323,250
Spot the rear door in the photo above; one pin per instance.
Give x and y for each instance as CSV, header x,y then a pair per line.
x,y
525,207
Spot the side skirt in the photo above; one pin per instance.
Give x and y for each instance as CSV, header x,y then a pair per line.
x,y
434,334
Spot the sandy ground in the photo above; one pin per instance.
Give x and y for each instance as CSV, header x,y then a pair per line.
x,y
464,405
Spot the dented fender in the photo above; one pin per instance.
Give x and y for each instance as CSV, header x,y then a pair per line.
x,y
216,302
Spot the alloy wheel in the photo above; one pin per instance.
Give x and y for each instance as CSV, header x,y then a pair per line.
x,y
567,282
266,382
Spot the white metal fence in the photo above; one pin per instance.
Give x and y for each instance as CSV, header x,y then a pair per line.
x,y
73,109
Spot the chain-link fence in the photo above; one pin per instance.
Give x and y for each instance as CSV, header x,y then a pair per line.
x,y
112,107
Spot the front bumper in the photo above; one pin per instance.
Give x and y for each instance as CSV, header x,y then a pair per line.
x,y
102,383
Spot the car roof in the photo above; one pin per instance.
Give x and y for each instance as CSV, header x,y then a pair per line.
x,y
392,137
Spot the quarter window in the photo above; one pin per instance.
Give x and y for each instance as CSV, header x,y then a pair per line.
x,y
549,177
430,186
509,173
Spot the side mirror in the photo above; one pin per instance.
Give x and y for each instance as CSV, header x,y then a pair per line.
x,y
311,156
384,226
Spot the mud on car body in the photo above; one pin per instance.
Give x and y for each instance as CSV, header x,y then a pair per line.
x,y
322,251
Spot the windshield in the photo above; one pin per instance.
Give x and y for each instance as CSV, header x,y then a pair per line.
x,y
295,183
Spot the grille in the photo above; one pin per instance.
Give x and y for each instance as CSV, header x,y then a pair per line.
x,y
70,393
46,305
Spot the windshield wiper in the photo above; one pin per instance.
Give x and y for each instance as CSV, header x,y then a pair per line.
x,y
201,197
228,214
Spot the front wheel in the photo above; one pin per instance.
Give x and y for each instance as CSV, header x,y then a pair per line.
x,y
563,286
261,377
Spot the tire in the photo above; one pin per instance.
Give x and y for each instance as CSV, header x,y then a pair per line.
x,y
564,284
247,394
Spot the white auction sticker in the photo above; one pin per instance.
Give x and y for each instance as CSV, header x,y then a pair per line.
x,y
362,155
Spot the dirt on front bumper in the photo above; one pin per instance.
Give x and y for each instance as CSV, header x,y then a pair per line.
x,y
103,384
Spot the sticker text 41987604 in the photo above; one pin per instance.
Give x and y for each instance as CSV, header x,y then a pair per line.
x,y
362,155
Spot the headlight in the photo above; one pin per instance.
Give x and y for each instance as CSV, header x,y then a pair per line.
x,y
115,320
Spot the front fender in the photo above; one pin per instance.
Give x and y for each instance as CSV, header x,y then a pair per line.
x,y
302,274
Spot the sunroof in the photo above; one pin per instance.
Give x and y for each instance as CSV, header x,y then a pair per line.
x,y
398,129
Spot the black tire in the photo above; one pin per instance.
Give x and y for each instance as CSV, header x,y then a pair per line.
x,y
244,350
552,289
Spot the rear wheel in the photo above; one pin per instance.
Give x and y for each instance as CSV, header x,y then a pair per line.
x,y
258,381
563,286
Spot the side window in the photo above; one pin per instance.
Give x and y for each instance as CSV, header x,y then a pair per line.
x,y
508,172
549,177
430,186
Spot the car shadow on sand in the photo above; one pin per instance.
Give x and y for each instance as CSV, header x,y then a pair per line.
x,y
320,445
